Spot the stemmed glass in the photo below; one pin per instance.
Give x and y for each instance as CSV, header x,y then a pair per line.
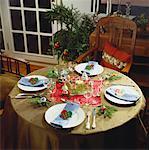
x,y
88,95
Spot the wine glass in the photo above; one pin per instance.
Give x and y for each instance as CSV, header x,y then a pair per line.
x,y
88,95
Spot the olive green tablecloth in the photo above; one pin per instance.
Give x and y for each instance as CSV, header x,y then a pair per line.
x,y
25,127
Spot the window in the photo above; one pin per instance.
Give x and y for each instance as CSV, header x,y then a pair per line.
x,y
2,46
31,31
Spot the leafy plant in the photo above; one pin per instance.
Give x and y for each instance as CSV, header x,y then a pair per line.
x,y
73,37
142,21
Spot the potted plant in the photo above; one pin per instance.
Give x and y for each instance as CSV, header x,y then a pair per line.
x,y
73,37
142,22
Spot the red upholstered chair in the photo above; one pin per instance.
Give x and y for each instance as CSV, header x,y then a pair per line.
x,y
114,38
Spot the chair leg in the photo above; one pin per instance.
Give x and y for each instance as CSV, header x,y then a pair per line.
x,y
143,125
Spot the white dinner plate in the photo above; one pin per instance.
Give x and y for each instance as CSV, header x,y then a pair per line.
x,y
98,69
76,119
119,101
30,88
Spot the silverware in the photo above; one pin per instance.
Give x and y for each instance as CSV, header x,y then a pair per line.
x,y
26,95
88,120
85,72
94,118
123,84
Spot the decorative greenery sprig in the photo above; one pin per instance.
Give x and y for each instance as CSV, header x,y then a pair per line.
x,y
111,76
40,101
106,110
53,73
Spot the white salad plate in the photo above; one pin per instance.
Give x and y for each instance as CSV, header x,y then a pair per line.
x,y
76,119
98,69
33,88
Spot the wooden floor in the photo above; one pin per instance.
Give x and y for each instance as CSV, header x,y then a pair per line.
x,y
35,67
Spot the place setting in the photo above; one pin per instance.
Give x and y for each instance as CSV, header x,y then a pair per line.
x,y
33,83
122,95
65,115
91,68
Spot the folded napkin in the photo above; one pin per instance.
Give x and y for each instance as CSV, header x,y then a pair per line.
x,y
25,81
123,93
59,121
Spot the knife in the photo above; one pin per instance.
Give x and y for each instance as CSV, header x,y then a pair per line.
x,y
26,95
56,125
41,85
94,118
88,120
123,84
85,72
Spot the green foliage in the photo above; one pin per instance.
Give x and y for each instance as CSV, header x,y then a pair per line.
x,y
53,74
112,76
64,15
37,101
73,38
106,110
142,21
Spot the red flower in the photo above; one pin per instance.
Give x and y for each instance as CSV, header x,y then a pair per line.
x,y
103,108
65,52
57,45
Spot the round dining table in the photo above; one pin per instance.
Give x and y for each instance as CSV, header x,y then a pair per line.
x,y
24,125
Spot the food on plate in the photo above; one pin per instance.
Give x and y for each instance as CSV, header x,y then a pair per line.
x,y
78,87
65,114
89,66
33,80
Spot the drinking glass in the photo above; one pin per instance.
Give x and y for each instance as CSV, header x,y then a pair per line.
x,y
88,95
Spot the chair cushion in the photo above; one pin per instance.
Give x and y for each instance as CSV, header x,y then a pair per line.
x,y
114,58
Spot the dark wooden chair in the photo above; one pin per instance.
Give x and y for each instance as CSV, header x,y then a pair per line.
x,y
14,66
119,31
11,69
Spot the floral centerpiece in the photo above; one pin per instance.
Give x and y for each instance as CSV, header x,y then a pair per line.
x,y
73,37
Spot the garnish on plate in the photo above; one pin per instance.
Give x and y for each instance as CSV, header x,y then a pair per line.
x,y
33,81
66,114
89,66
